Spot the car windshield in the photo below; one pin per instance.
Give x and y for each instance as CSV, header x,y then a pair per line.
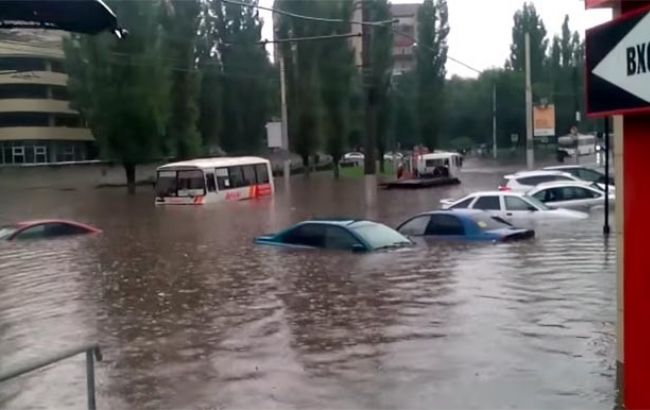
x,y
7,230
380,236
536,202
487,223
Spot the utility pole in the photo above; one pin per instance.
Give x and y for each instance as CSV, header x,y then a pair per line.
x,y
606,228
370,138
370,142
286,171
530,158
494,118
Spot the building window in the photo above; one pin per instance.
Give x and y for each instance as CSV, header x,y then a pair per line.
x,y
60,93
18,154
65,153
40,154
23,119
22,64
67,120
8,91
57,66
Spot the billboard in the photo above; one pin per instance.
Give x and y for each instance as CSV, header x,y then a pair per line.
x,y
544,120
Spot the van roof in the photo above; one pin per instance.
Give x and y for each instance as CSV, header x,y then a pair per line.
x,y
201,163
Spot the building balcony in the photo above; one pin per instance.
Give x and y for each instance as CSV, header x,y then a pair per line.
x,y
45,133
35,77
36,105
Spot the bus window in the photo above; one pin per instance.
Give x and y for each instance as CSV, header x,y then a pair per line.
x,y
262,174
166,184
249,175
236,177
223,181
191,183
209,179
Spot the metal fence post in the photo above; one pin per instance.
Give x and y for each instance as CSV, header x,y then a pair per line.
x,y
90,378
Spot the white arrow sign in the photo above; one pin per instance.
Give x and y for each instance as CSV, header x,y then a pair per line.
x,y
628,64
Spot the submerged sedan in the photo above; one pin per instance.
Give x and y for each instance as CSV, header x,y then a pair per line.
x,y
341,234
467,225
515,208
577,195
45,229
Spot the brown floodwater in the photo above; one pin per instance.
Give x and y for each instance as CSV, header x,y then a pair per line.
x,y
191,315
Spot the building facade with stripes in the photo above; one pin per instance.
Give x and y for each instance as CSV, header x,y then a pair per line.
x,y
37,124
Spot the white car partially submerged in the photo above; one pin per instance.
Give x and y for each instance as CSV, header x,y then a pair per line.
x,y
525,180
515,207
354,158
576,195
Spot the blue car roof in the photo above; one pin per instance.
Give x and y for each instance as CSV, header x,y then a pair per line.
x,y
459,212
333,221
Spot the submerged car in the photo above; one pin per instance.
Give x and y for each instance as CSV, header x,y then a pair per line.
x,y
525,180
513,207
579,195
340,234
45,229
468,225
585,173
353,158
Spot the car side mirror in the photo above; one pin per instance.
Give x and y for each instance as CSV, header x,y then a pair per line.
x,y
358,248
532,209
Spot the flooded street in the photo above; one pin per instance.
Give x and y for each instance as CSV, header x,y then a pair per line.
x,y
191,315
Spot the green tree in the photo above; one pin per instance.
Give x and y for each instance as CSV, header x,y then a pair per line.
x,y
527,20
301,65
247,75
336,71
431,57
181,24
121,86
381,73
210,104
403,123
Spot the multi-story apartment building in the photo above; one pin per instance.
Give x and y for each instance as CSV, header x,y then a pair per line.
x,y
37,124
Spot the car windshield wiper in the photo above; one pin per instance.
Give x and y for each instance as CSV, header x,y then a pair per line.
x,y
396,245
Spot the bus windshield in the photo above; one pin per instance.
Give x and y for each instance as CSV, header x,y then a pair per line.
x,y
185,183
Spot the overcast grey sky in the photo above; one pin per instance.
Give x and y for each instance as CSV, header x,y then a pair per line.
x,y
481,29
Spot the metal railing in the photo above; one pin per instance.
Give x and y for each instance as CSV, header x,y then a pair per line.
x,y
92,353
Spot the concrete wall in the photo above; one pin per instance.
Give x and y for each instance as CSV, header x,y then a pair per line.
x,y
96,174
77,176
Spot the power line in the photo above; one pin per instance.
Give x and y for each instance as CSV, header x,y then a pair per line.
x,y
312,38
311,18
329,20
455,60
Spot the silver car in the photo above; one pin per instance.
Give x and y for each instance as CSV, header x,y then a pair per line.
x,y
514,207
576,195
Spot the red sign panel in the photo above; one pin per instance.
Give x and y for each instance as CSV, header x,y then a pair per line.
x,y
594,4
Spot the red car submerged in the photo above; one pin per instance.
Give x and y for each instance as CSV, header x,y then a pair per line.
x,y
45,229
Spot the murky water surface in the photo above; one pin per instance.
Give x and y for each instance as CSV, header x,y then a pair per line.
x,y
192,315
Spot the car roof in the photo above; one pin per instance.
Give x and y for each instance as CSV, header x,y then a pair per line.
x,y
460,212
557,184
493,193
541,172
23,224
336,221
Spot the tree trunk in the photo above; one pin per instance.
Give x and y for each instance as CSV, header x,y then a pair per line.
x,y
305,164
129,169
382,165
335,165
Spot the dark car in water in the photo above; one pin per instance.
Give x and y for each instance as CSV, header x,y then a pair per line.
x,y
465,225
340,234
45,229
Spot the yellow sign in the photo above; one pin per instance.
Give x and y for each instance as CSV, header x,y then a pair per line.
x,y
544,121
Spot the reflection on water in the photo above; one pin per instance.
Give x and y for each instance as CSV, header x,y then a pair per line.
x,y
191,314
